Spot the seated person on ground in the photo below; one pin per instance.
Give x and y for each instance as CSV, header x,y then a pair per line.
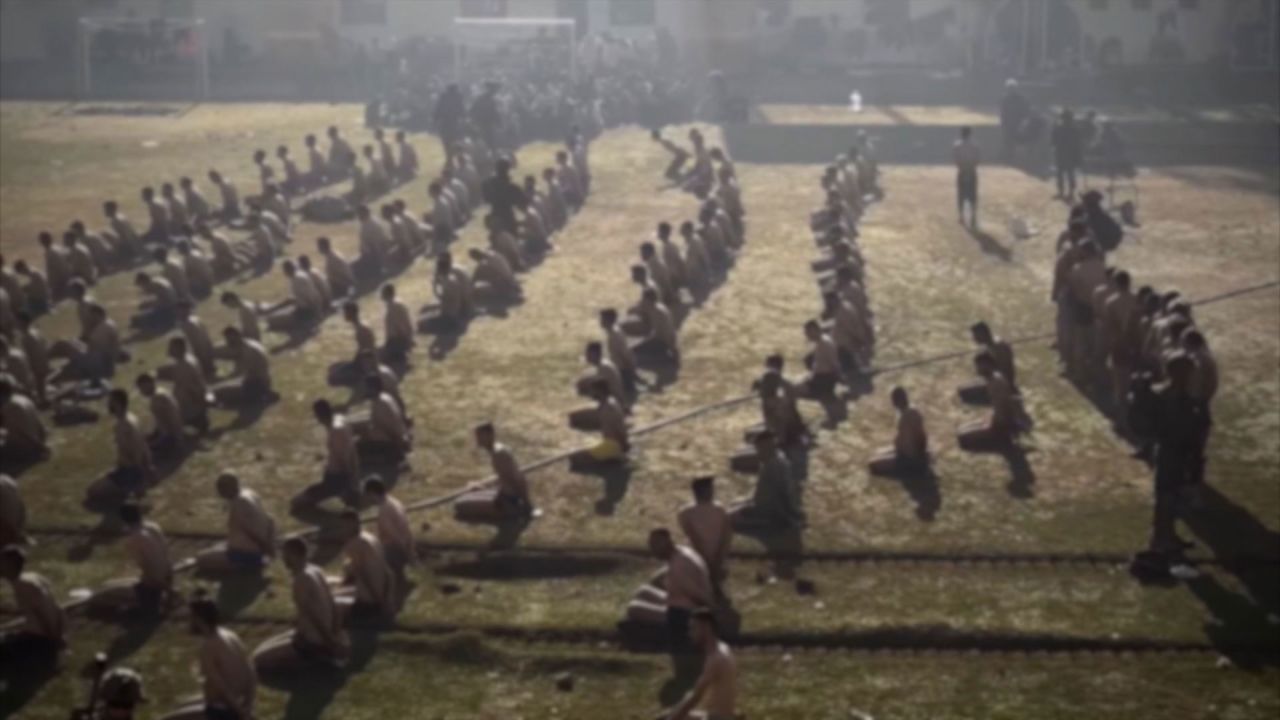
x,y
682,586
492,281
24,436
318,636
910,451
166,438
13,514
152,590
135,469
385,435
1001,428
716,691
614,441
252,367
42,632
510,499
189,386
229,680
661,344
367,578
397,327
453,290
342,461
251,532
393,528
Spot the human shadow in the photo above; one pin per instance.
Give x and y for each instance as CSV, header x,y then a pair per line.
x,y
784,547
531,567
1239,628
509,532
663,372
685,669
443,343
138,630
312,690
922,487
616,480
1248,549
237,591
1022,477
988,244
25,672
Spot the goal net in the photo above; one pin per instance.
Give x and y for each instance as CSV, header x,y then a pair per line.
x,y
533,48
117,55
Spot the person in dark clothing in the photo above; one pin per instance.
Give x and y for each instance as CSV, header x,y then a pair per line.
x,y
1178,422
504,196
1014,111
1106,231
486,115
1068,152
448,116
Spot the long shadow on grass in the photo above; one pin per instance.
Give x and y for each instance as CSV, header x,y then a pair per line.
x,y
923,488
989,245
531,567
312,690
1231,531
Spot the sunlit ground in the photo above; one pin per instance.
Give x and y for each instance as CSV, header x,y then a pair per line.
x,y
1204,231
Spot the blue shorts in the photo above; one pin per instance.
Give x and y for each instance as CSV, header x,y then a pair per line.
x,y
246,559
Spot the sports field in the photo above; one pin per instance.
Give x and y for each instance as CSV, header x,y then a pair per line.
x,y
979,597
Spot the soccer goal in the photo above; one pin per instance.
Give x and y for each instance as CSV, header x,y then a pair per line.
x,y
489,47
131,48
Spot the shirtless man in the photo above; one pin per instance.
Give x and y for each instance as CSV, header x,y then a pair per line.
x,y
716,691
614,443
317,165
196,265
1069,253
385,436
393,528
24,436
679,156
166,437
266,173
910,451
697,266
707,526
159,308
1119,318
367,578
492,280
198,209
453,290
124,237
80,260
226,669
302,310
13,514
294,181
92,358
375,243
42,632
443,222
152,590
158,213
276,204
230,210
251,532
824,364
668,291
341,157
619,351
342,461
342,281
318,636
675,592
178,215
57,268
190,388
407,168
849,333
14,364
1085,276
252,367
246,315
198,340
602,369
397,327
38,296
36,351
504,243
365,339
700,177
661,345
779,412
1001,352
1001,429
672,259
775,502
510,499
174,271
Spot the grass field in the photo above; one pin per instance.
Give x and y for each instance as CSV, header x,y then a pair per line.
x,y
1205,231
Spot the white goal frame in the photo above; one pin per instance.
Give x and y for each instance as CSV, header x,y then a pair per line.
x,y
464,28
88,27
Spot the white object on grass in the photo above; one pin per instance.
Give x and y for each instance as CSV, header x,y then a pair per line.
x,y
855,101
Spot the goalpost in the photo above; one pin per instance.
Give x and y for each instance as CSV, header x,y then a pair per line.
x,y
181,38
483,46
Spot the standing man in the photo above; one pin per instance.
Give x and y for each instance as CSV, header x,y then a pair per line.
x,y
706,524
1067,153
967,156
226,670
1014,111
504,196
